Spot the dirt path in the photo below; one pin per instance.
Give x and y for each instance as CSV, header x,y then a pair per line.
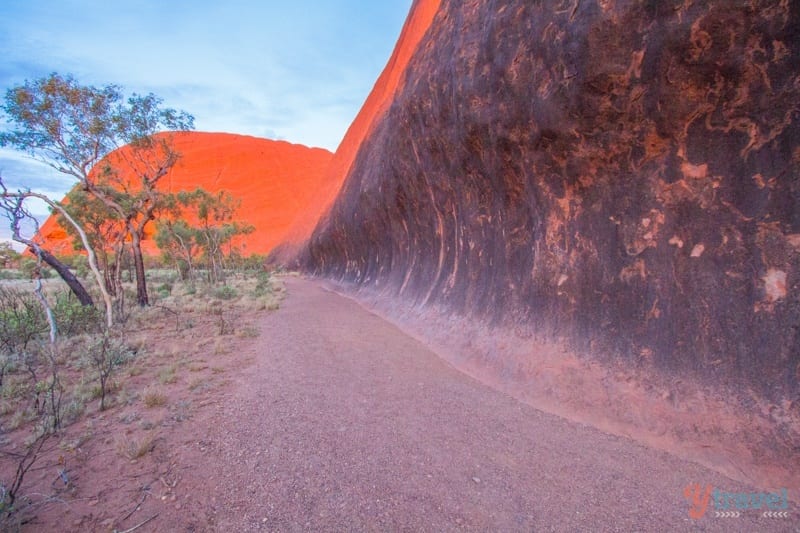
x,y
344,423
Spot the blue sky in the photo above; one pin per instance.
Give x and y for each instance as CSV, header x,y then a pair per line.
x,y
297,71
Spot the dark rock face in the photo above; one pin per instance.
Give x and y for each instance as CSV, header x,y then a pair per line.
x,y
621,174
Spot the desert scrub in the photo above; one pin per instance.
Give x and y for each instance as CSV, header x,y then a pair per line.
x,y
103,355
225,292
22,320
248,331
164,290
168,375
72,411
198,384
72,318
154,397
134,448
263,284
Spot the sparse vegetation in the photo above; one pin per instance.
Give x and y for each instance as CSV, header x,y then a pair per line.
x,y
156,350
104,355
59,353
154,397
134,448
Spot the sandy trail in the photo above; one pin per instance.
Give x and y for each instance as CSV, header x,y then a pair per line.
x,y
345,423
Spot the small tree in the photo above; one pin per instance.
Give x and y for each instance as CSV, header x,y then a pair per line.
x,y
12,205
9,257
212,236
105,355
178,244
72,128
106,232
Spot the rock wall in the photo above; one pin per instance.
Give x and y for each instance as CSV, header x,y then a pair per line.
x,y
622,175
376,105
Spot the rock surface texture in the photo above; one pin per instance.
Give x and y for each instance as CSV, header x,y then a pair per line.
x,y
623,176
595,206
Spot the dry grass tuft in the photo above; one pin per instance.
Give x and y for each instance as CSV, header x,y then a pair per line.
x,y
136,448
248,332
198,384
168,375
154,397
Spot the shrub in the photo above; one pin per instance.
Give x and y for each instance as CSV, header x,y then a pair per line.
x,y
263,285
72,318
22,320
7,273
29,265
104,356
225,292
164,290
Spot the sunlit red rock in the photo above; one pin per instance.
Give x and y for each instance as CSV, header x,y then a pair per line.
x,y
623,176
376,105
595,206
273,179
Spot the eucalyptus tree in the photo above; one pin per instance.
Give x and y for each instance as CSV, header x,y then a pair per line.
x,y
117,148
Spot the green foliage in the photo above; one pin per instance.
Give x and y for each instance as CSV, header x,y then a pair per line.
x,y
105,354
225,292
103,226
80,264
22,320
10,274
253,263
209,242
9,258
72,126
74,129
164,290
263,285
28,266
72,318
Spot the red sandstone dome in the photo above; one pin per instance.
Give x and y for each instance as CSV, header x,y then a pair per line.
x,y
274,180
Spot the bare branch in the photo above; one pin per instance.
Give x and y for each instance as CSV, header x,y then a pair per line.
x,y
16,200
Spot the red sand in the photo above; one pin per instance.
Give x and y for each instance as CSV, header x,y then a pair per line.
x,y
273,179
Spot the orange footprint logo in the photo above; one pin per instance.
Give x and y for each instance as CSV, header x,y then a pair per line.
x,y
698,499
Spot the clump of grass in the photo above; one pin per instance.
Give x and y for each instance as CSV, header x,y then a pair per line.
x,y
248,332
6,408
15,387
73,410
70,445
164,290
154,397
20,417
133,448
181,411
198,383
220,347
168,375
